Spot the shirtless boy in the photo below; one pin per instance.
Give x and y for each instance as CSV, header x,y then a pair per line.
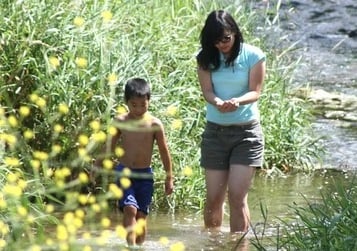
x,y
137,132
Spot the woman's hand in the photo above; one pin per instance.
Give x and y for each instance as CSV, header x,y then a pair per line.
x,y
227,105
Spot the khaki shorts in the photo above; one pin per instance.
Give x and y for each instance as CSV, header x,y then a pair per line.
x,y
223,146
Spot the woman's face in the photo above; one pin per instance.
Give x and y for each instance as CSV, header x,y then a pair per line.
x,y
225,43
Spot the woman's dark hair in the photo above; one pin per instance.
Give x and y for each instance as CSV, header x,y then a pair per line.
x,y
216,24
136,87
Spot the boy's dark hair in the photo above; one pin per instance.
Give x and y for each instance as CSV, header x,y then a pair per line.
x,y
216,23
136,87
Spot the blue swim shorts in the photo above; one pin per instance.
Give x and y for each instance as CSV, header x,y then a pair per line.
x,y
141,190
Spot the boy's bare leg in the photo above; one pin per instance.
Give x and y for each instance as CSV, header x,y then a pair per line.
x,y
129,222
141,238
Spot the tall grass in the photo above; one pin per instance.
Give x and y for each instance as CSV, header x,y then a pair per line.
x,y
62,69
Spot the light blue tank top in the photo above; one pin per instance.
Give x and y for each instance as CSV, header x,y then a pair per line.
x,y
232,81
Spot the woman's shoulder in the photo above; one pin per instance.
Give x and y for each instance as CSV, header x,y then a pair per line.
x,y
249,48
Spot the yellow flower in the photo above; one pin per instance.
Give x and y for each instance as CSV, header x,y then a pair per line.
x,y
54,62
171,110
11,161
82,199
108,164
83,178
176,124
40,155
33,97
78,21
35,248
4,228
49,208
83,140
164,241
112,79
3,203
63,108
24,111
105,222
95,125
178,246
81,62
107,15
119,151
35,164
22,211
86,235
58,128
62,233
125,182
139,227
121,232
28,134
112,130
79,213
41,102
118,193
22,184
99,136
12,190
12,120
121,110
2,243
95,208
87,248
187,171
56,149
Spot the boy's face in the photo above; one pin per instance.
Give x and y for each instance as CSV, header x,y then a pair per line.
x,y
138,106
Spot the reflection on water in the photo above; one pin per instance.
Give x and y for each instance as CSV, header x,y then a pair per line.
x,y
274,194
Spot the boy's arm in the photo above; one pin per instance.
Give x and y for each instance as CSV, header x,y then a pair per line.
x,y
165,158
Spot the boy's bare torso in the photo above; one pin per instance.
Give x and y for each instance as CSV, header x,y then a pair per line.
x,y
137,138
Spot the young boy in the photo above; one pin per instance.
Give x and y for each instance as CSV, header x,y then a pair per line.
x,y
137,132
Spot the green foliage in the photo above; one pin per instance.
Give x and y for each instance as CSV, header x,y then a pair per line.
x,y
328,224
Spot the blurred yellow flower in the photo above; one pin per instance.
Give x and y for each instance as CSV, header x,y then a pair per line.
x,y
49,208
96,208
87,248
95,125
54,62
81,62
121,110
121,232
107,15
33,97
40,155
62,233
108,164
22,184
176,124
12,120
11,161
35,164
2,243
119,151
83,178
79,213
83,140
58,128
99,136
178,246
125,182
164,240
22,211
105,222
117,192
3,203
86,235
4,228
187,171
112,130
24,111
112,79
12,190
41,102
82,199
35,248
63,108
56,149
78,21
171,110
28,134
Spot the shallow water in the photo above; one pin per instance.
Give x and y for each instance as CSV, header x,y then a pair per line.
x,y
276,194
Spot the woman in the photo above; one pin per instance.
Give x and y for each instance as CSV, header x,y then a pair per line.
x,y
231,75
